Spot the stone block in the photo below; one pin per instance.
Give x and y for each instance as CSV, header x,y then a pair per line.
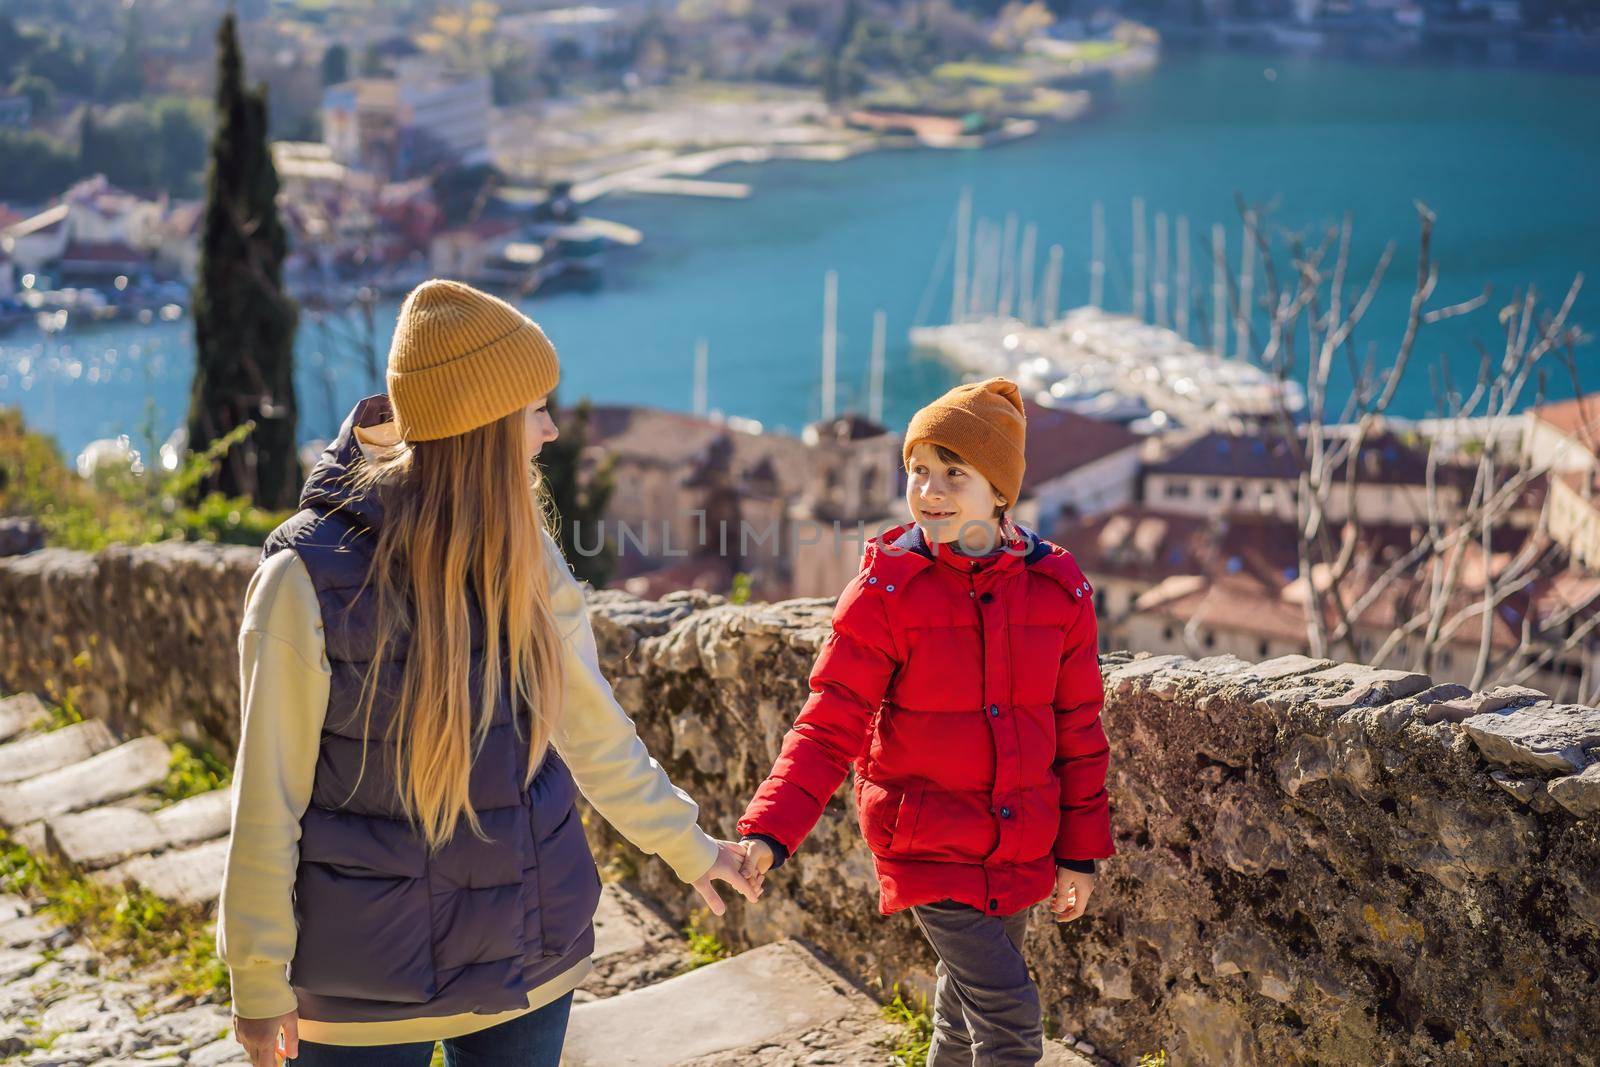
x,y
34,755
1142,668
1467,704
21,712
1544,738
769,995
120,772
1579,793
1531,791
1290,666
196,819
1371,685
101,837
185,875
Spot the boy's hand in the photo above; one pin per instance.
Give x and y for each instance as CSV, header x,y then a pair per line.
x,y
758,859
729,859
1072,894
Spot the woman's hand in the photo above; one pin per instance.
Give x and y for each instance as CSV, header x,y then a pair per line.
x,y
260,1038
729,859
1073,889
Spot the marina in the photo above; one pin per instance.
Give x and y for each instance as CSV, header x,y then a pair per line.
x,y
1116,368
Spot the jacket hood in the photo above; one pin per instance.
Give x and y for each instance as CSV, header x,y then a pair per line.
x,y
330,487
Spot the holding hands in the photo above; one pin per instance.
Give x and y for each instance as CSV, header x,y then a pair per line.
x,y
729,868
758,860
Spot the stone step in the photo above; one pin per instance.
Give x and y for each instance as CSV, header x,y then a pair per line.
x,y
768,996
633,945
130,768
102,837
626,923
21,713
196,819
99,838
41,753
184,875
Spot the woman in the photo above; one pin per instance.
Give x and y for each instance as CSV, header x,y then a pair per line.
x,y
406,865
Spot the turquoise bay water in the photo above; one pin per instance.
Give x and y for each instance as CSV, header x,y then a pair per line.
x,y
1509,160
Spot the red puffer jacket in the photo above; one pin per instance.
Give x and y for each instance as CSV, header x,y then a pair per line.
x,y
966,694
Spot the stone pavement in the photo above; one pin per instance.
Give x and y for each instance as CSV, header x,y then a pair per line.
x,y
85,800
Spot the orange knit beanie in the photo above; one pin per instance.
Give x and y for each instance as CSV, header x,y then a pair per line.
x,y
983,423
461,359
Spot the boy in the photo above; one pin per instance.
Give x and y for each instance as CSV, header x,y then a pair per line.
x,y
961,681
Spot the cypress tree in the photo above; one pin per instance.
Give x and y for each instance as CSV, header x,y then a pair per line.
x,y
244,322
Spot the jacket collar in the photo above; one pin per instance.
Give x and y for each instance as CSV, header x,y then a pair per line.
x,y
898,554
903,551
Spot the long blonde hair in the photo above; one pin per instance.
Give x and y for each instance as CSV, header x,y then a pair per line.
x,y
462,517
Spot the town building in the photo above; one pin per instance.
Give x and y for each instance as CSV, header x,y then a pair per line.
x,y
423,118
1212,472
95,232
589,32
1564,439
1075,464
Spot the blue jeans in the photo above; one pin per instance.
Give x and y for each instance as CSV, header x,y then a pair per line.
x,y
531,1040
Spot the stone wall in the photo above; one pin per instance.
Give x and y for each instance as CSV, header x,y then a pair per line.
x,y
1317,864
141,636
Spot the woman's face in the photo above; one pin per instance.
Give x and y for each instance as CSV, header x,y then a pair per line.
x,y
538,428
950,500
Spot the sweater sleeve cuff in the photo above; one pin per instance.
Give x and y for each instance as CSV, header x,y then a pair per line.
x,y
1081,866
779,852
261,991
694,857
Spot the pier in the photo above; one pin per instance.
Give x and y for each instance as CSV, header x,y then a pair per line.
x,y
1117,368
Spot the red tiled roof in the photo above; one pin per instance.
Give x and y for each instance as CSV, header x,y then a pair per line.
x,y
1386,459
1579,418
1062,441
1250,603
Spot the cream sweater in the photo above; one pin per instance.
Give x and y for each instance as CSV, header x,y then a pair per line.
x,y
284,679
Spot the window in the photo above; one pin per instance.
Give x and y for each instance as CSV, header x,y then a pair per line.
x,y
1210,640
1263,649
1213,491
1166,633
1177,491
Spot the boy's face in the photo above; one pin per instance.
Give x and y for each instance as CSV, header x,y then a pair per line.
x,y
950,500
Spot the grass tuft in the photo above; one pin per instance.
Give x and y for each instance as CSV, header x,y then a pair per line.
x,y
916,1031
192,772
704,946
132,925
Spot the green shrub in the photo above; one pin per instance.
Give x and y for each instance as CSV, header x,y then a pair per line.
x,y
121,504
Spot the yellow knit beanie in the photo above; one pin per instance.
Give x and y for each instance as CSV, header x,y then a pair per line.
x,y
461,359
983,423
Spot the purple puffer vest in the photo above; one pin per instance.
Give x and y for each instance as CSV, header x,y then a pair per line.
x,y
386,930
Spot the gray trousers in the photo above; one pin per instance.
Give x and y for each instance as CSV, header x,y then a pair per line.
x,y
986,1008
